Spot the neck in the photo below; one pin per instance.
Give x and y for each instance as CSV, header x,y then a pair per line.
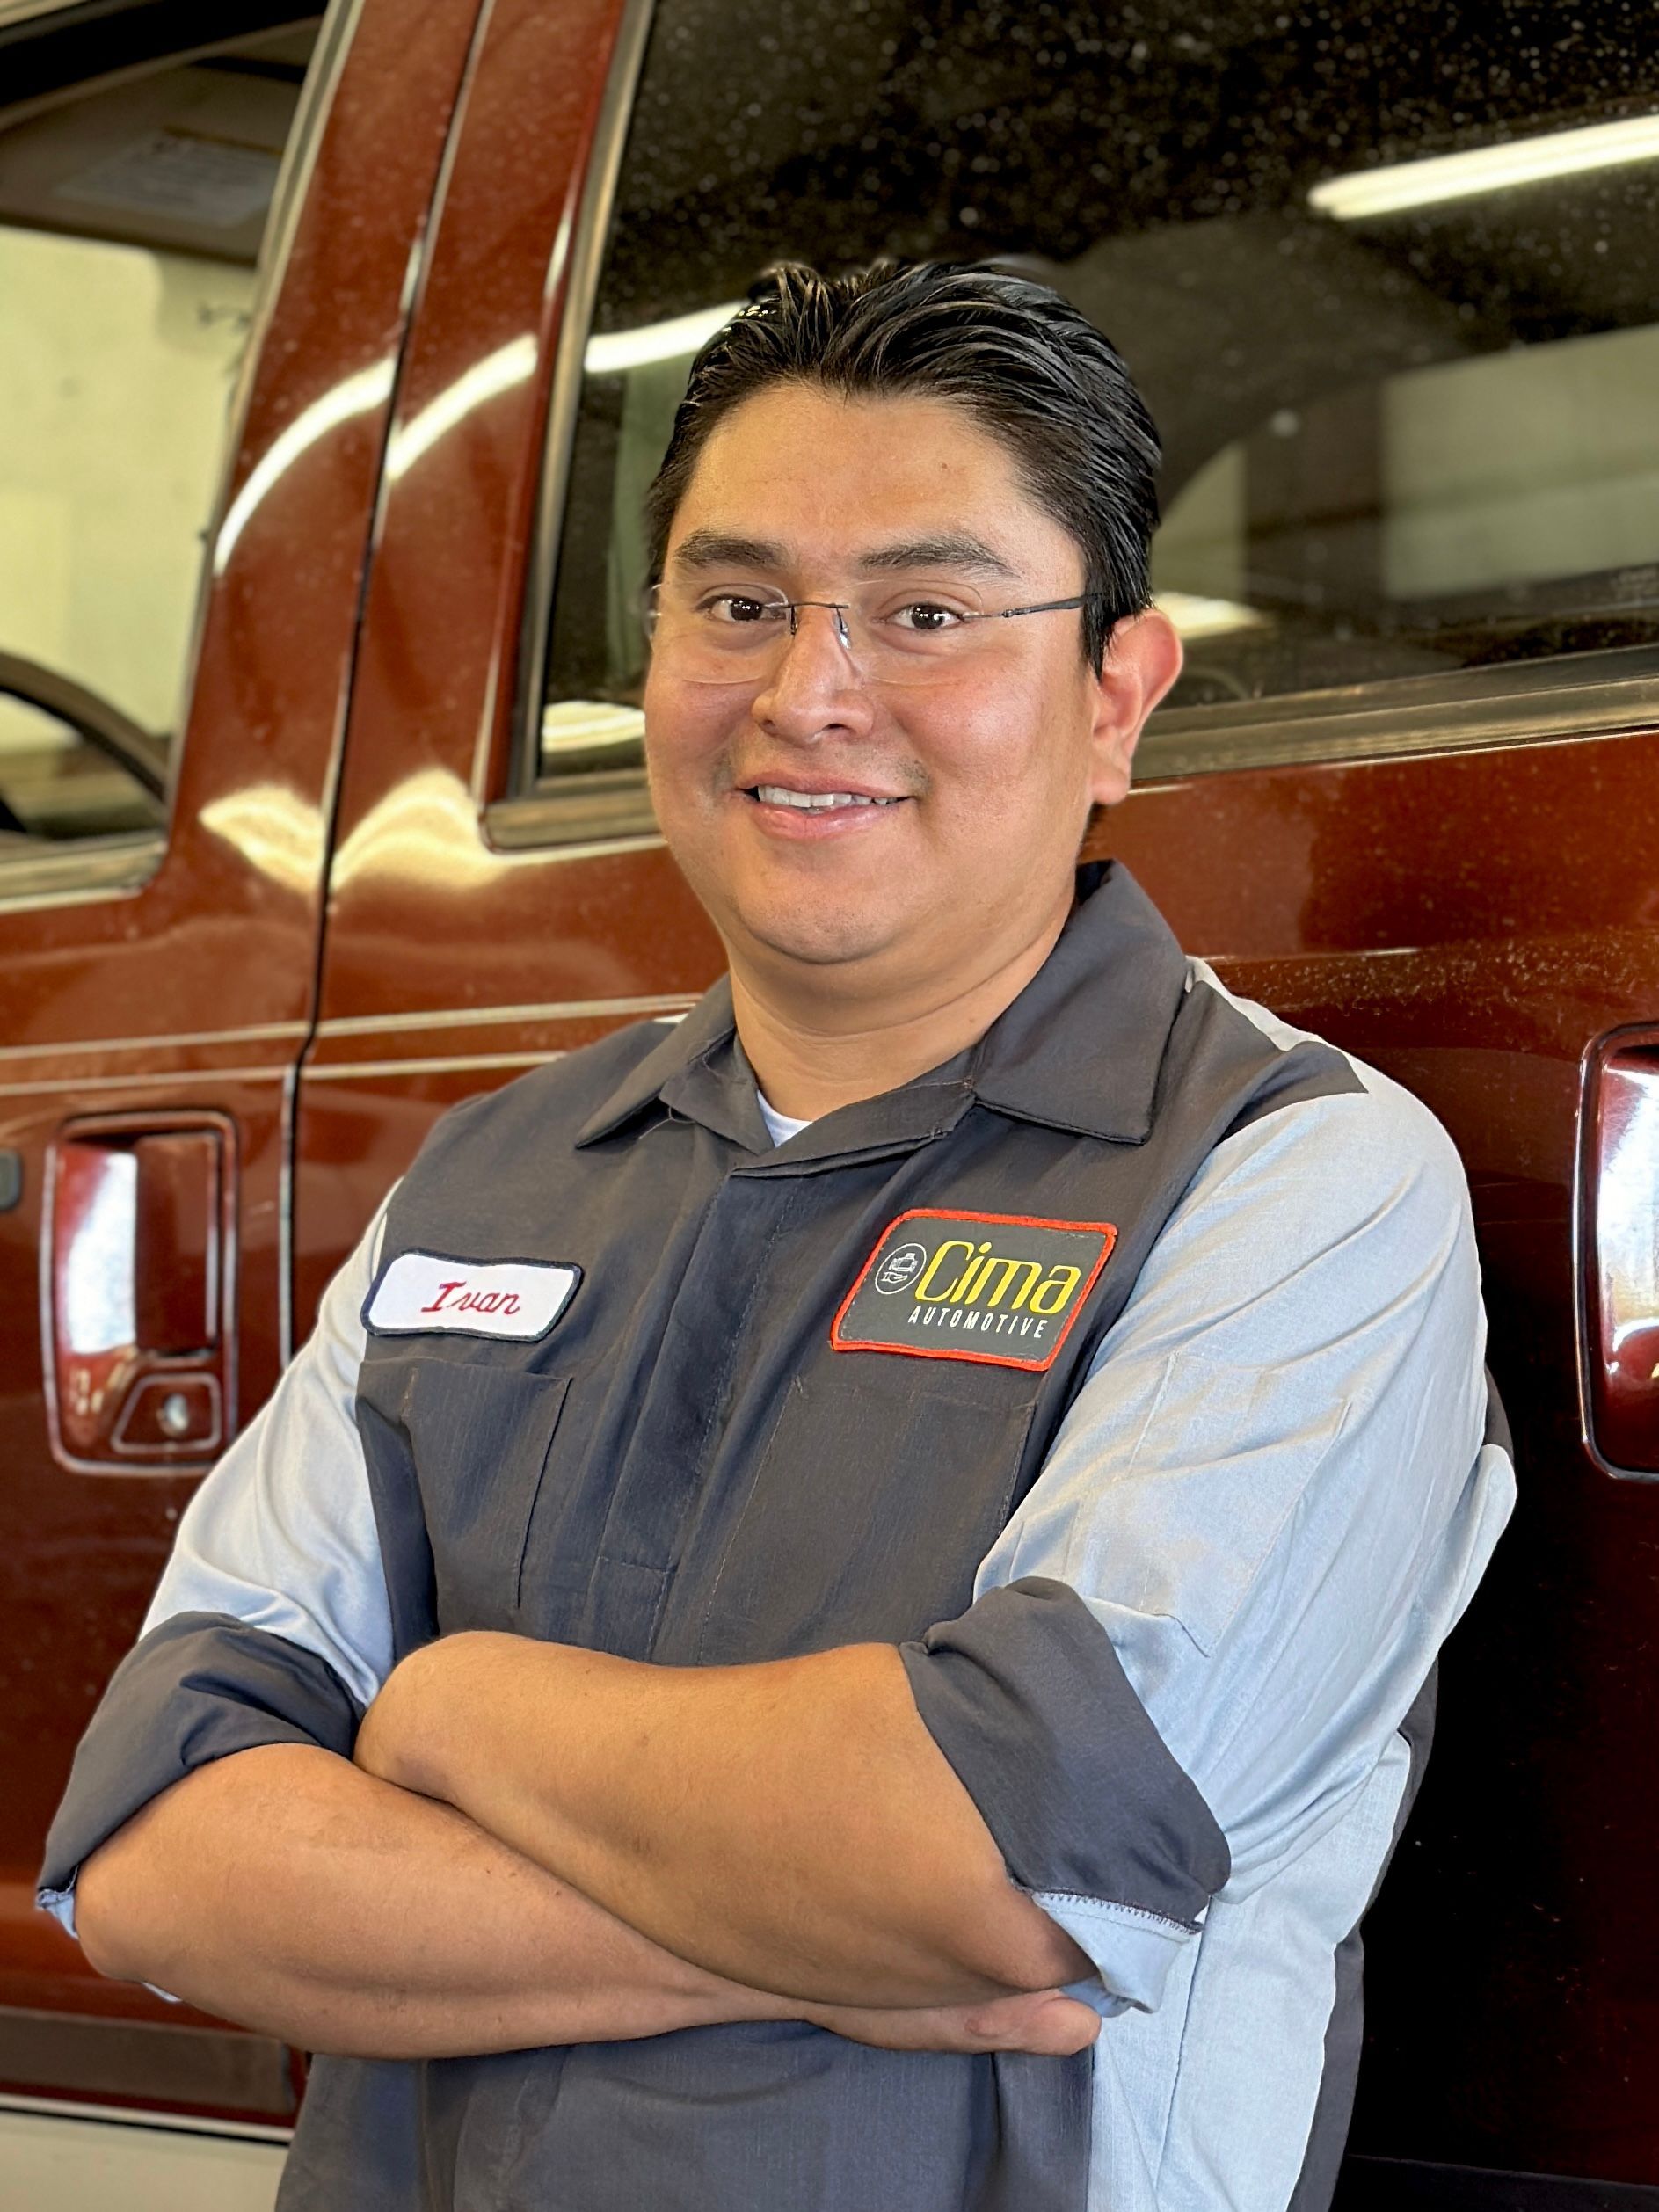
x,y
815,1046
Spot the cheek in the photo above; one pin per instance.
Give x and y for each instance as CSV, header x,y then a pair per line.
x,y
686,730
1003,763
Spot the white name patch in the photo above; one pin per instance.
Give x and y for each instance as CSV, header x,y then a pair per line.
x,y
517,1298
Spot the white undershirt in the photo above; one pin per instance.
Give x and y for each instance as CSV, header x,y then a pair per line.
x,y
781,1126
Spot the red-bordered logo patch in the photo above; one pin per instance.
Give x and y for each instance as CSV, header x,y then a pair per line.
x,y
1000,1288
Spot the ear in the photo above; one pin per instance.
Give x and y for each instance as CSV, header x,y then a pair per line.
x,y
1142,658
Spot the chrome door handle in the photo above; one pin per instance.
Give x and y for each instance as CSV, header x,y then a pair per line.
x,y
138,1324
1619,1264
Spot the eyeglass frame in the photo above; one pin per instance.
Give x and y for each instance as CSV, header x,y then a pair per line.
x,y
841,607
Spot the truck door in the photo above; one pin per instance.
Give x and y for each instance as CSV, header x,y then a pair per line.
x,y
204,241
1397,331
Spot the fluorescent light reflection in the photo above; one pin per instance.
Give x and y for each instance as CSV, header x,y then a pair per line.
x,y
615,352
1523,161
424,831
358,395
496,372
274,830
1197,616
98,1304
576,725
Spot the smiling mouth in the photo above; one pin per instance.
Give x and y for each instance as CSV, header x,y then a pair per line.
x,y
813,802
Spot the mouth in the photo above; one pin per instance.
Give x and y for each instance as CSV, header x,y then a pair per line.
x,y
802,802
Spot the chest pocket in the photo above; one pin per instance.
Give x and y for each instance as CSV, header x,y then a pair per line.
x,y
479,1437
877,1498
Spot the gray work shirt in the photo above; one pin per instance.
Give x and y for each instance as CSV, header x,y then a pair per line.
x,y
1126,1372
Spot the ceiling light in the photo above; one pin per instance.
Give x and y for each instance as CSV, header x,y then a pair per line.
x,y
1522,161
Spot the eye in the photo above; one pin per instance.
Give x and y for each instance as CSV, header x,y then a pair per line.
x,y
739,609
926,618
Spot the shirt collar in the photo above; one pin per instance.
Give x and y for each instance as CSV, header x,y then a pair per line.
x,y
1080,1048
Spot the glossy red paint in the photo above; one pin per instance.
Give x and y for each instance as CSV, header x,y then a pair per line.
x,y
1475,923
191,994
1465,922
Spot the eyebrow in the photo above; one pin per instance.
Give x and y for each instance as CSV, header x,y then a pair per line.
x,y
957,551
720,548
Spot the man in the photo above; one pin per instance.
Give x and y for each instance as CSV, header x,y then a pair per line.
x,y
826,1620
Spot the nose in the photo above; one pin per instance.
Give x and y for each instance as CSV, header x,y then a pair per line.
x,y
814,689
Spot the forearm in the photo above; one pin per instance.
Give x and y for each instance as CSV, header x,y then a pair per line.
x,y
285,1889
791,1825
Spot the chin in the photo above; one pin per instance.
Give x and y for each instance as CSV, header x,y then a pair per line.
x,y
820,940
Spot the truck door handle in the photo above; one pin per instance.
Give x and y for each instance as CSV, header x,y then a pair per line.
x,y
138,1311
1618,1271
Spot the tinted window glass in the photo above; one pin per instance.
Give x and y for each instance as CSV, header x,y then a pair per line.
x,y
131,215
1406,432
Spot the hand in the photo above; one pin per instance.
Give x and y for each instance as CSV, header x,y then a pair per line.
x,y
1043,2022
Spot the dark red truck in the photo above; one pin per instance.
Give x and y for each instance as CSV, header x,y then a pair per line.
x,y
334,357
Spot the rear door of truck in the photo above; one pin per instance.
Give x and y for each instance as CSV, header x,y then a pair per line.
x,y
208,223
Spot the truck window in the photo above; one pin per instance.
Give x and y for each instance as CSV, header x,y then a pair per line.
x,y
1388,275
134,186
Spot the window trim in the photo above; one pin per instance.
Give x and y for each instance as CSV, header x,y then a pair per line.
x,y
71,875
1523,703
533,812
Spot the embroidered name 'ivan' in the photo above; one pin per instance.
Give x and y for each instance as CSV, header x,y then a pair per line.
x,y
472,1301
420,1292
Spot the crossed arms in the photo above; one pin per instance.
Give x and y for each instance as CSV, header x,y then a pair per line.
x,y
541,1844
538,1845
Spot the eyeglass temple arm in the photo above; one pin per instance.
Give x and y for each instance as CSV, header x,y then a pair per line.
x,y
1050,606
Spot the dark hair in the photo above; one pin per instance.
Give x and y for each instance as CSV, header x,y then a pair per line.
x,y
1022,360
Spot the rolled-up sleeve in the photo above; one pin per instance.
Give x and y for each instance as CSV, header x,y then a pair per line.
x,y
1193,1647
270,1623
1098,1821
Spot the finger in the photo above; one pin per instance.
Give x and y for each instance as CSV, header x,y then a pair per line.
x,y
1047,2025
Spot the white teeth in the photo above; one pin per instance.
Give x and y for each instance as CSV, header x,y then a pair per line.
x,y
813,802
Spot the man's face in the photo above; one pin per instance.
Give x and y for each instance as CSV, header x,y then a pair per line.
x,y
989,765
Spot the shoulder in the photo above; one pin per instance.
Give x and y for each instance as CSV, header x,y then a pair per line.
x,y
1329,1201
1348,1137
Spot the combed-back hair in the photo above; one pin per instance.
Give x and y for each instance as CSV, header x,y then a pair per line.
x,y
1030,369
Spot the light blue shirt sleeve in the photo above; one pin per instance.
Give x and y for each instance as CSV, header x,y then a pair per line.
x,y
281,1534
1274,1495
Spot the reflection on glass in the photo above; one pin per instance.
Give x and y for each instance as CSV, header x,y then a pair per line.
x,y
132,210
1399,441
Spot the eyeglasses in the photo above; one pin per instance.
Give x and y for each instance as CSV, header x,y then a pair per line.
x,y
891,635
